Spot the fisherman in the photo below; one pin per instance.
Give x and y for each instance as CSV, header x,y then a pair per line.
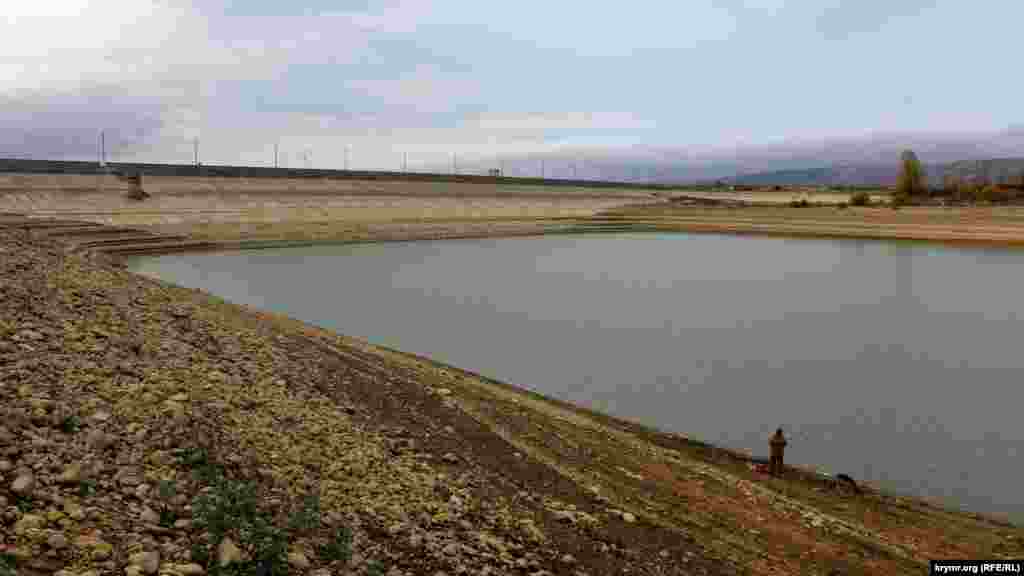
x,y
778,446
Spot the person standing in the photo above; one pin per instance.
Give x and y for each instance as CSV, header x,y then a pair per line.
x,y
778,447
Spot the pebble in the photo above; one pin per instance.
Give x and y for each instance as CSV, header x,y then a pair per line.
x,y
6,466
298,560
568,559
98,440
450,457
566,517
102,550
228,553
149,562
149,516
28,522
23,484
188,569
629,517
57,541
71,474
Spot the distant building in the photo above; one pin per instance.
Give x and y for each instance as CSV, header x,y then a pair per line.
x,y
494,172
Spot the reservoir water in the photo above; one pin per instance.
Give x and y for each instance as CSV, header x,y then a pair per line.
x,y
899,364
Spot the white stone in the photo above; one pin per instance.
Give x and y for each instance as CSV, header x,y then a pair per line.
x,y
23,484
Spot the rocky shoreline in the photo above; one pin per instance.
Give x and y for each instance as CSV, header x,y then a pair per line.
x,y
129,405
152,429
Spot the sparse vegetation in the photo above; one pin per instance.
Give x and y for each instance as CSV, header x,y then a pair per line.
x,y
230,508
338,548
70,424
167,489
86,488
8,565
24,504
860,199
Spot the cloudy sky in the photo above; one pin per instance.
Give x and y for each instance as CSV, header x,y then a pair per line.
x,y
684,80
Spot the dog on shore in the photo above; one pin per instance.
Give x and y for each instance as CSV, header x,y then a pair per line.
x,y
842,480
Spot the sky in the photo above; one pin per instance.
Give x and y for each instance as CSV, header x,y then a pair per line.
x,y
392,82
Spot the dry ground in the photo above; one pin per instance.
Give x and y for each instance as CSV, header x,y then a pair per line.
x,y
995,225
250,210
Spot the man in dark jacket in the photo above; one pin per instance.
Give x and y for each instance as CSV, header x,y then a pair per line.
x,y
778,446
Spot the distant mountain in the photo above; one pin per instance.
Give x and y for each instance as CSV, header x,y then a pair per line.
x,y
862,175
997,170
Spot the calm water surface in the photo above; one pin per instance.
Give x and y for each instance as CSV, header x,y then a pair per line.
x,y
895,363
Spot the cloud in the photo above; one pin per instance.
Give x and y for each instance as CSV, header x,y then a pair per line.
x,y
544,121
423,90
839,19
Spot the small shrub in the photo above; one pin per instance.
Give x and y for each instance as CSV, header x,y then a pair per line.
x,y
307,517
198,460
898,200
167,489
992,194
231,507
7,565
24,504
801,203
70,424
86,488
860,199
374,568
339,548
200,553
842,206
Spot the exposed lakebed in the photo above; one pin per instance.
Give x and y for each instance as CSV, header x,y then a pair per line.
x,y
900,364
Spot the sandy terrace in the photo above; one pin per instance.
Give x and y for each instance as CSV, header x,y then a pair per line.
x,y
188,201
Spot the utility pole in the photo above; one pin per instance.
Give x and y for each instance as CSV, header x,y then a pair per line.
x,y
276,144
541,168
405,161
346,157
195,150
455,163
103,149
